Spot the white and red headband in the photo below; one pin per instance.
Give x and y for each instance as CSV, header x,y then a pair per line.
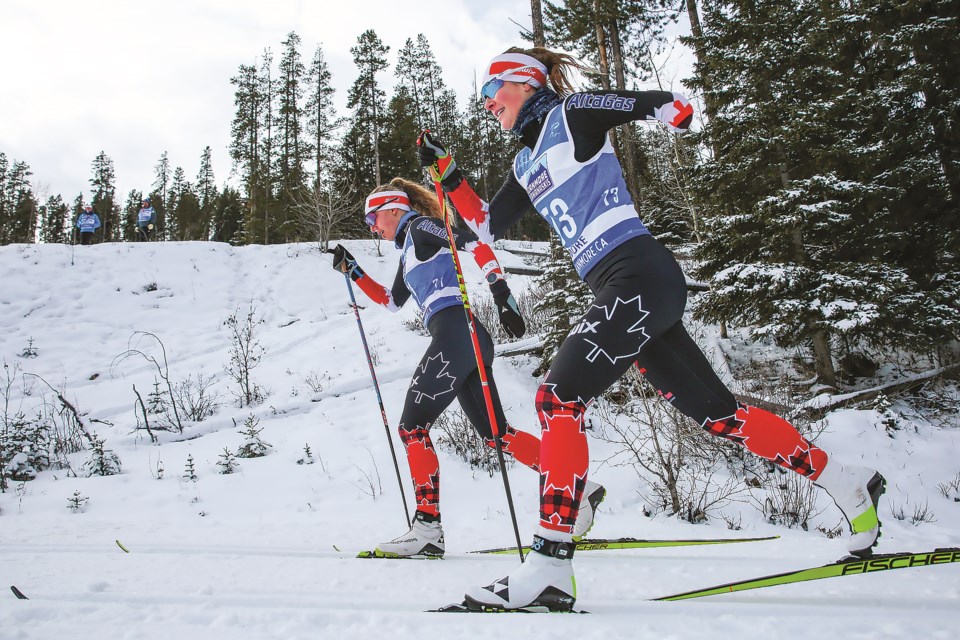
x,y
516,67
387,200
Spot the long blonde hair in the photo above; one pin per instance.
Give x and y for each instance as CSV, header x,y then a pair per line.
x,y
422,200
559,67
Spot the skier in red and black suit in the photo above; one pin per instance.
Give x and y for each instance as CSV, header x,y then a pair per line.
x,y
409,215
568,171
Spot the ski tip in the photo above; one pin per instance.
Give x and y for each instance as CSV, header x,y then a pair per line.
x,y
18,593
125,550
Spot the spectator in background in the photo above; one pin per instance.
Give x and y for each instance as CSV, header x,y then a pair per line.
x,y
87,223
146,219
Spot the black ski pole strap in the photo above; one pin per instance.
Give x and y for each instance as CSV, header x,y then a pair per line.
x,y
552,548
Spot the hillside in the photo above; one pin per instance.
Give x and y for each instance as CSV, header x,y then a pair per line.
x,y
267,552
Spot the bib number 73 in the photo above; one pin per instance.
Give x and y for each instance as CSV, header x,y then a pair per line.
x,y
556,214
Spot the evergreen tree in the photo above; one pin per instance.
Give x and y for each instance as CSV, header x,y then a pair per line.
x,y
268,145
228,217
55,218
434,104
206,192
163,172
245,147
19,209
827,230
321,118
75,211
293,147
103,190
185,221
399,135
131,209
367,100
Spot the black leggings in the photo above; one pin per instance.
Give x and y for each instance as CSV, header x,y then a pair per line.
x,y
448,370
637,316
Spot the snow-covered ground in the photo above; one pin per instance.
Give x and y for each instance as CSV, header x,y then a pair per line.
x,y
268,552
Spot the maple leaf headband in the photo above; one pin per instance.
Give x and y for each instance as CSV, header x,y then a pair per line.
x,y
516,67
388,199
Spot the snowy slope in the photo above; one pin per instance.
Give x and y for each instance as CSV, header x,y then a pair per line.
x,y
267,552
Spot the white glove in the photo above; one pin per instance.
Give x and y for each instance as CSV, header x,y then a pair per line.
x,y
677,115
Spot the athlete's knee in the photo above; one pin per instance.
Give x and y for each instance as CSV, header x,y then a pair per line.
x,y
412,433
549,403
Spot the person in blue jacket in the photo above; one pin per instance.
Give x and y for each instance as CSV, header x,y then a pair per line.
x,y
146,219
87,223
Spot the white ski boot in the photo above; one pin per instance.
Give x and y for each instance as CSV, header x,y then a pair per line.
x,y
544,582
593,495
856,490
423,540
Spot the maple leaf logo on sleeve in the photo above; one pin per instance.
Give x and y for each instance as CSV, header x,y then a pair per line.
x,y
432,379
610,343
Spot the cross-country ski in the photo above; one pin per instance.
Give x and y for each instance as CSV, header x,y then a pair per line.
x,y
845,567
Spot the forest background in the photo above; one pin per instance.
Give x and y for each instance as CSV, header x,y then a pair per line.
x,y
818,192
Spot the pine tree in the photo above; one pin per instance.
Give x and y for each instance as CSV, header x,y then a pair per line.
x,y
245,148
189,471
55,218
253,446
367,100
228,217
293,149
206,192
321,118
131,209
268,146
399,126
103,190
822,235
19,210
227,462
163,173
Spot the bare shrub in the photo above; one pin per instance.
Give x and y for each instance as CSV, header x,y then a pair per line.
x,y
674,457
163,370
790,500
194,399
455,433
919,514
486,311
246,352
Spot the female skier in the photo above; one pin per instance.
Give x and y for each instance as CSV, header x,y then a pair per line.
x,y
407,214
568,171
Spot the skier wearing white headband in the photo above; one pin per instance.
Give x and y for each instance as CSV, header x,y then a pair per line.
x,y
409,215
568,171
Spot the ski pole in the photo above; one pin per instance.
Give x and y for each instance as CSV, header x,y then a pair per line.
x,y
376,388
481,368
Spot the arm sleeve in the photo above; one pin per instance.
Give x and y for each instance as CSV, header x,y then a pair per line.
x,y
486,259
393,298
491,221
591,114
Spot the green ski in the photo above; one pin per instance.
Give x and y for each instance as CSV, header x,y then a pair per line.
x,y
603,544
845,567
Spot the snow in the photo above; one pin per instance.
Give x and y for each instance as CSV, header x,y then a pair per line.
x,y
268,552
